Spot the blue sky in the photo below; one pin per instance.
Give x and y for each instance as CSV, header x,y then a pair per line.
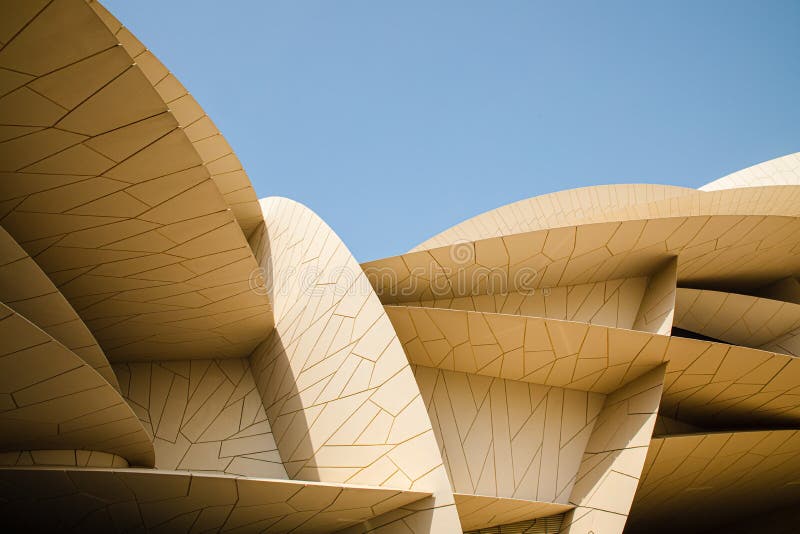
x,y
396,120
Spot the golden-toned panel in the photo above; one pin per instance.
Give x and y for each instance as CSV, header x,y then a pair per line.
x,y
108,195
778,171
609,303
127,500
479,511
697,482
614,458
707,383
339,393
52,399
216,154
742,250
510,439
553,210
28,291
735,318
204,415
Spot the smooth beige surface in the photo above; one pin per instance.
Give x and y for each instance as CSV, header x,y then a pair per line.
x,y
52,399
735,318
205,415
779,171
83,500
217,156
338,390
742,250
479,511
27,290
694,482
106,192
510,439
614,458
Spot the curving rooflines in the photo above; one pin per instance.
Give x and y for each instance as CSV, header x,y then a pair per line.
x,y
103,188
52,399
38,300
784,170
176,356
753,191
216,154
561,208
718,250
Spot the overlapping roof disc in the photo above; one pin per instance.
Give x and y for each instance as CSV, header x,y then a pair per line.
x,y
176,355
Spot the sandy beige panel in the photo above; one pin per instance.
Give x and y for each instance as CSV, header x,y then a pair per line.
x,y
657,309
735,318
504,438
615,457
784,170
52,399
734,250
339,393
707,383
766,189
217,156
112,200
27,290
561,208
479,511
609,303
204,415
703,481
132,500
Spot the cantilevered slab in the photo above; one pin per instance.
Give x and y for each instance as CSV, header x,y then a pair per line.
x,y
71,499
735,318
52,399
697,482
744,251
105,191
27,290
479,511
217,156
706,383
784,170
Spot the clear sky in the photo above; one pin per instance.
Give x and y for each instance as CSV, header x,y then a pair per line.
x,y
395,120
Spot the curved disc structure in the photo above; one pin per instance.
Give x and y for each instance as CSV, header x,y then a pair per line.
x,y
176,355
52,399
